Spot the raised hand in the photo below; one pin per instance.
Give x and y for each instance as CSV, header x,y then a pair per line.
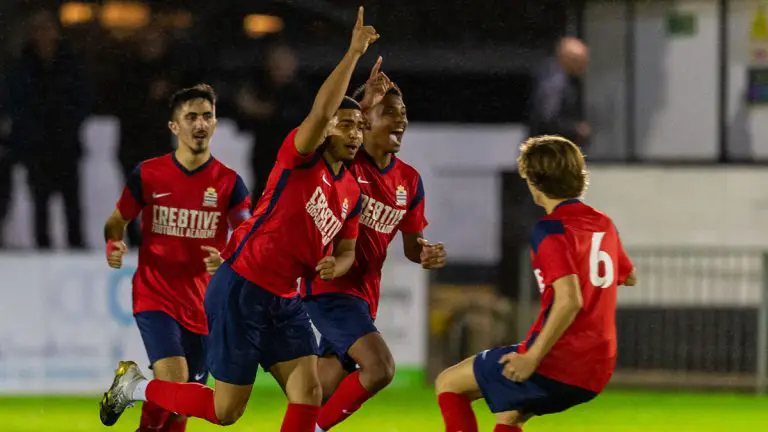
x,y
362,35
376,87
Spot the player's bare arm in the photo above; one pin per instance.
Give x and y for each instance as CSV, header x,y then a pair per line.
x,y
312,130
420,251
114,230
567,304
338,265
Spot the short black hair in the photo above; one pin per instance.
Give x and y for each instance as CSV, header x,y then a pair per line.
x,y
349,103
360,92
200,91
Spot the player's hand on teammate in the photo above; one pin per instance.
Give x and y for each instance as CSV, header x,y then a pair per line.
x,y
213,260
362,35
326,267
432,255
519,367
376,87
115,252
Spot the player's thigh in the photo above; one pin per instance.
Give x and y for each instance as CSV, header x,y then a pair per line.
x,y
173,369
237,324
331,373
299,379
371,350
459,378
230,401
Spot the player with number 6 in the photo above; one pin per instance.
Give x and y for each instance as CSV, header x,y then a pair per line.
x,y
569,353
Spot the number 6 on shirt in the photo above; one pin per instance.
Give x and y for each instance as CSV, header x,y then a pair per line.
x,y
595,257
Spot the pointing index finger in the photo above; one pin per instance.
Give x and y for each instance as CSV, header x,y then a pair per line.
x,y
359,22
376,67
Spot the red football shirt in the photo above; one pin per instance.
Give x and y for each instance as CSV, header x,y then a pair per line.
x,y
393,200
577,239
181,210
304,208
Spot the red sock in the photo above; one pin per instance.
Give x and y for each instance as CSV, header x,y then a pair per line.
x,y
300,418
348,398
153,417
175,424
507,428
457,412
186,399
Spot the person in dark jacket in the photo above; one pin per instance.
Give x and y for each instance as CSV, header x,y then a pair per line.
x,y
557,107
48,102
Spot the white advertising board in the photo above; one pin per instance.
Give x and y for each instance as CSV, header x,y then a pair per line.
x,y
65,321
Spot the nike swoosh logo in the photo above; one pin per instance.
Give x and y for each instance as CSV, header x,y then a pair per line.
x,y
157,195
325,180
198,377
360,180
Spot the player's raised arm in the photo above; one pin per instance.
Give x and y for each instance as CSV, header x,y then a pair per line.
x,y
312,130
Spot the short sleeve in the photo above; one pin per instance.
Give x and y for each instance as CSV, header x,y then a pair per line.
x,y
239,196
132,199
351,225
414,220
552,251
239,203
289,155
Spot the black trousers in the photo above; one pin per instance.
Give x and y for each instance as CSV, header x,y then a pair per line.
x,y
48,176
6,187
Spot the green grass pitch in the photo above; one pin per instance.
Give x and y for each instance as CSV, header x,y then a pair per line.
x,y
406,409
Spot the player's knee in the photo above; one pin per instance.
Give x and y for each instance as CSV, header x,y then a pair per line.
x,y
443,382
378,373
511,418
229,416
309,393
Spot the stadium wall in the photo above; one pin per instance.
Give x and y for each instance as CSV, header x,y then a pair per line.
x,y
676,80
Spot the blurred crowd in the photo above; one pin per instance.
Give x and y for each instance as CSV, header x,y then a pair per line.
x,y
48,94
54,82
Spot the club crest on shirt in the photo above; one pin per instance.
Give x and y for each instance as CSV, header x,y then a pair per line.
x,y
210,198
401,196
344,208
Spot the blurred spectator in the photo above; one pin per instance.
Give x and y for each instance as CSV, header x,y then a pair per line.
x,y
147,80
270,108
48,101
557,106
6,172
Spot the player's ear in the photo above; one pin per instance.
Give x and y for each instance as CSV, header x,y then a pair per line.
x,y
367,121
173,127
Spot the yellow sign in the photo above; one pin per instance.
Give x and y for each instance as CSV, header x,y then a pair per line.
x,y
759,25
